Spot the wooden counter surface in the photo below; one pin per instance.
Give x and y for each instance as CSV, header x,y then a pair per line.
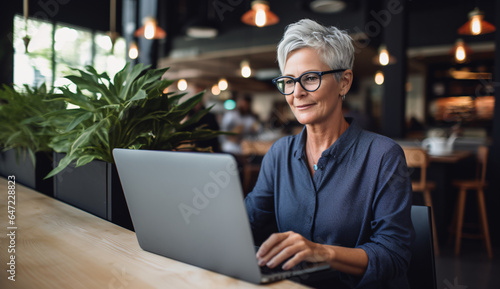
x,y
60,246
452,158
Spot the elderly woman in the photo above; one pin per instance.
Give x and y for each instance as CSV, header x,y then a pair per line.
x,y
334,192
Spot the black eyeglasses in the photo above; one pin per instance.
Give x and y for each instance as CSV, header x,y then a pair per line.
x,y
309,81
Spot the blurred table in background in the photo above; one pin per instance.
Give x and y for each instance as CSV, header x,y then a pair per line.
x,y
442,170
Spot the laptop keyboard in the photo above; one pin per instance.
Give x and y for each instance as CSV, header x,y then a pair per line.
x,y
299,267
267,271
302,266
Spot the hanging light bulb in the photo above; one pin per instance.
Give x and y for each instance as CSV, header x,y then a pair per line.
x,y
246,71
460,51
476,24
215,89
223,84
383,56
182,84
260,15
379,77
133,51
460,54
150,30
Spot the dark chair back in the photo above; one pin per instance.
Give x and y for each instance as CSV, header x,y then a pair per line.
x,y
422,270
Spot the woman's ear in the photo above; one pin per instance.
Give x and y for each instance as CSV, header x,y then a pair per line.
x,y
346,82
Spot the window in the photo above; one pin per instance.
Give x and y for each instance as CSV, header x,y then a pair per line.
x,y
56,48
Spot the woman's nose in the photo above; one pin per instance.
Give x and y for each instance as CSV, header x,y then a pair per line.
x,y
298,91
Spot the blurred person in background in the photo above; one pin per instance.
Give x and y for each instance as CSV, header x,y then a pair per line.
x,y
240,121
208,121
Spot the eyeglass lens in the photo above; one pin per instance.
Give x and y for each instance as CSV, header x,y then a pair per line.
x,y
308,81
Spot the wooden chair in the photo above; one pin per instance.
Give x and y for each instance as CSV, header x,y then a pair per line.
x,y
478,184
418,158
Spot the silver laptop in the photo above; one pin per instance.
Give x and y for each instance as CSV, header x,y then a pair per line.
x,y
189,207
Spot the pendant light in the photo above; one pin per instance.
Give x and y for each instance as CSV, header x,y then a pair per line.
x,y
133,51
384,58
327,6
182,84
246,71
150,29
26,38
476,24
215,89
223,85
461,51
113,35
203,25
379,77
260,15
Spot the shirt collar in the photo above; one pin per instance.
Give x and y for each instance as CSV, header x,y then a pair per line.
x,y
338,149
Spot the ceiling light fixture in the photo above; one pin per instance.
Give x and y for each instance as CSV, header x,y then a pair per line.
x,y
327,6
383,57
182,84
150,30
202,31
476,24
133,51
113,35
246,71
215,89
260,15
379,77
461,51
223,85
26,38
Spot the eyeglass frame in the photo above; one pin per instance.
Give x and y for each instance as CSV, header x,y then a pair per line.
x,y
297,79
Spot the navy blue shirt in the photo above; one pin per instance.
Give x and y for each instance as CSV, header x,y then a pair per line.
x,y
360,197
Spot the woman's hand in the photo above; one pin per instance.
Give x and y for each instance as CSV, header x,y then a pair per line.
x,y
289,245
282,246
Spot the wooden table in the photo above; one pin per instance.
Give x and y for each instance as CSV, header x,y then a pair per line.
x,y
59,246
452,158
443,197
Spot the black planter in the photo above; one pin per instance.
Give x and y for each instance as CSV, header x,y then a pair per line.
x,y
26,173
95,188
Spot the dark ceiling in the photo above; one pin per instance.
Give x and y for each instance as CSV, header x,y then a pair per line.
x,y
430,23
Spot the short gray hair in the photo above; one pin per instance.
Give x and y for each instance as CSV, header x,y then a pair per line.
x,y
334,46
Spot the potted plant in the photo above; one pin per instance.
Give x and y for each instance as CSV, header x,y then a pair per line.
x,y
24,137
129,111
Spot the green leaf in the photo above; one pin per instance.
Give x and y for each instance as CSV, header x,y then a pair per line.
x,y
83,160
141,94
84,137
78,120
63,163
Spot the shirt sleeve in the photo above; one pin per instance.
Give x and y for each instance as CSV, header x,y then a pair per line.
x,y
389,248
260,201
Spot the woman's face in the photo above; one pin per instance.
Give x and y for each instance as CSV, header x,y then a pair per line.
x,y
320,106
